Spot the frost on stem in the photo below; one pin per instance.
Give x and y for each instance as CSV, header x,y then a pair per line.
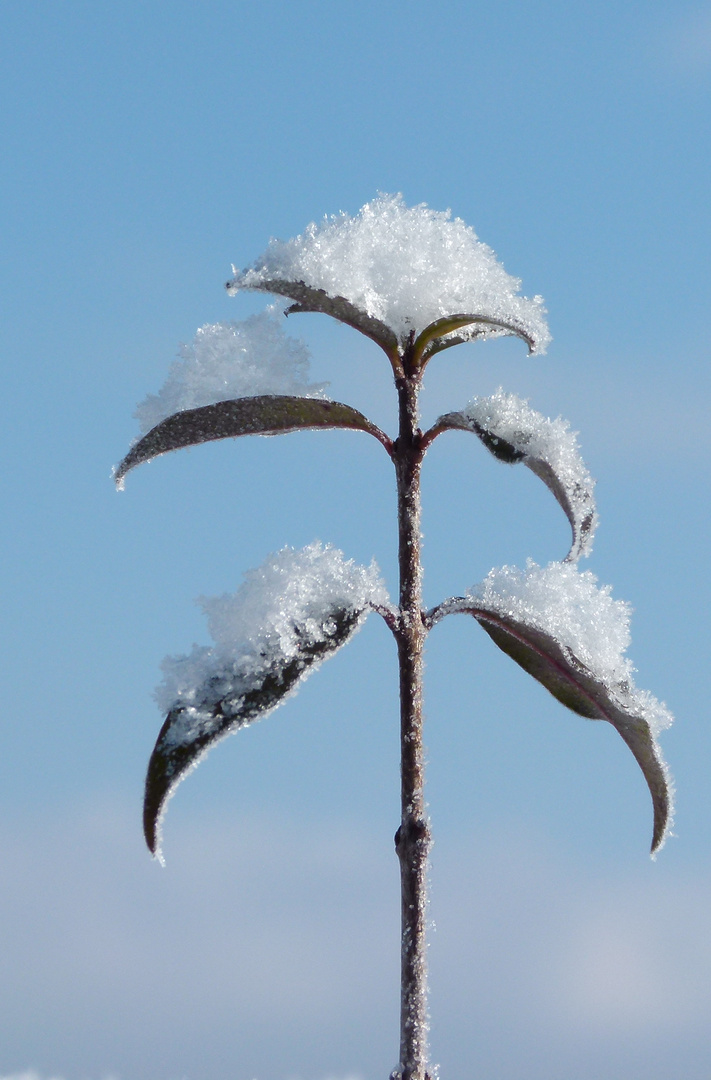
x,y
513,431
290,614
403,267
232,360
572,636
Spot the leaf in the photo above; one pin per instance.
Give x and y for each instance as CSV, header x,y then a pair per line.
x,y
575,686
575,498
226,702
265,415
307,298
434,338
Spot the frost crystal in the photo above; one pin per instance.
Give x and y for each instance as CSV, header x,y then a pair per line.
x,y
232,360
582,617
542,441
406,266
282,605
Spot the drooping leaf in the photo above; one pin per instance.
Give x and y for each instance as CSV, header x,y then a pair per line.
x,y
440,335
557,668
264,415
513,432
307,298
228,700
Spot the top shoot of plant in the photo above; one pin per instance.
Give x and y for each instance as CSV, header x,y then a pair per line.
x,y
415,282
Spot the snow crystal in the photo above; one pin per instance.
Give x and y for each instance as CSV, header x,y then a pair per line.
x,y
280,606
570,606
406,266
232,360
508,417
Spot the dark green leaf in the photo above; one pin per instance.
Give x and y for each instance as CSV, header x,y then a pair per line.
x,y
227,702
265,415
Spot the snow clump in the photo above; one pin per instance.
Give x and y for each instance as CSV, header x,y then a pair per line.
x,y
570,606
406,266
281,605
232,360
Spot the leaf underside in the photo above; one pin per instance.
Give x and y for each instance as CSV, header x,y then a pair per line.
x,y
434,338
556,668
505,451
268,414
185,738
306,298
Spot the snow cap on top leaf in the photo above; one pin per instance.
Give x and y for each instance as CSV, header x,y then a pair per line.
x,y
403,269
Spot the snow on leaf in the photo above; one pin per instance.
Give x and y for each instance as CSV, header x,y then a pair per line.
x,y
267,415
570,635
232,360
290,614
406,268
513,431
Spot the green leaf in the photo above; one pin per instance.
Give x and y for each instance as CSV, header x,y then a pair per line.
x,y
264,415
434,339
575,686
227,702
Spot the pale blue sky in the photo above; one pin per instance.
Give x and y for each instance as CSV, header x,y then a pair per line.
x,y
145,148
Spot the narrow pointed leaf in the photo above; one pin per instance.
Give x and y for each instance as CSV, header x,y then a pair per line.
x,y
545,446
230,700
572,683
308,298
439,335
265,415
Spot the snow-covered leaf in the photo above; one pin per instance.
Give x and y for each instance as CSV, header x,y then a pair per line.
x,y
570,635
406,268
226,705
265,415
290,614
513,431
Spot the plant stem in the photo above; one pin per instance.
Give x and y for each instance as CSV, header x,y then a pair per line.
x,y
412,840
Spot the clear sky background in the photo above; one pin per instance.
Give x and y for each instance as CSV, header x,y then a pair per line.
x,y
146,147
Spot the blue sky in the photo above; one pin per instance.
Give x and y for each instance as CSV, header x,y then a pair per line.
x,y
146,147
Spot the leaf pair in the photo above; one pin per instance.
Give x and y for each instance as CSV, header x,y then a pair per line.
x,y
440,334
550,622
